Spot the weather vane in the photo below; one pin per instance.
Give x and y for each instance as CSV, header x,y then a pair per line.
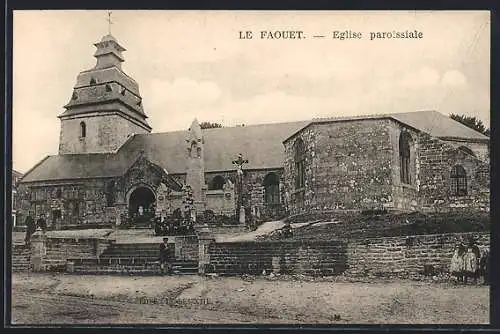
x,y
109,21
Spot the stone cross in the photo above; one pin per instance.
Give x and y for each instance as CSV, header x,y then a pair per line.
x,y
239,170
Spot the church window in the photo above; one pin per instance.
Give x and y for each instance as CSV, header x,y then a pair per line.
x,y
272,189
198,150
93,81
83,130
404,157
458,181
76,209
467,150
110,193
108,88
74,96
217,183
299,159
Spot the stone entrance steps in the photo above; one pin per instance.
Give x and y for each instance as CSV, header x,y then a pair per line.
x,y
134,265
133,258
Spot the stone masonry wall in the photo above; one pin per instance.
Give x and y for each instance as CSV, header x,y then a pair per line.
x,y
318,258
58,250
104,134
407,254
389,255
437,159
348,165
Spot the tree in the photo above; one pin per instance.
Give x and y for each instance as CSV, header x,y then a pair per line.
x,y
209,125
471,122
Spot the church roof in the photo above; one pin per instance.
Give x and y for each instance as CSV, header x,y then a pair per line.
x,y
260,144
429,121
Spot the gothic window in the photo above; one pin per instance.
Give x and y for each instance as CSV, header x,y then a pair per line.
x,y
83,130
108,88
458,181
404,157
217,183
93,81
74,96
272,189
110,193
467,150
198,150
299,159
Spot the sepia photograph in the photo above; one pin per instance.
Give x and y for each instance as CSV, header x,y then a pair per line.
x,y
250,167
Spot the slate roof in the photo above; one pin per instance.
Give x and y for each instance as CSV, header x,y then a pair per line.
x,y
262,145
429,121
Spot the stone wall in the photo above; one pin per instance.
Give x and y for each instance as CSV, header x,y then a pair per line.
x,y
437,159
50,252
78,202
348,165
318,258
407,254
105,134
186,248
388,255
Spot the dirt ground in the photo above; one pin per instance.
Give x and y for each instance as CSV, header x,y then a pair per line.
x,y
53,299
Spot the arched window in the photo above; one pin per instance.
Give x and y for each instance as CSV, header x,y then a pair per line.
x,y
299,159
217,183
83,130
272,189
404,157
458,181
467,150
110,193
93,81
108,88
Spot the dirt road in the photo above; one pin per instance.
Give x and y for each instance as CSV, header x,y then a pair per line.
x,y
74,299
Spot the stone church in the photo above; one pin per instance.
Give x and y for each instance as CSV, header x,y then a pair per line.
x,y
110,168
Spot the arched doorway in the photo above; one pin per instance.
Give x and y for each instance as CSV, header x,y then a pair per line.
x,y
142,205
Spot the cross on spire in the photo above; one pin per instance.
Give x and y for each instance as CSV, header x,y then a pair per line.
x,y
109,21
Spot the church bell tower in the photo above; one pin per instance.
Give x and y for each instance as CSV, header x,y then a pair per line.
x,y
105,108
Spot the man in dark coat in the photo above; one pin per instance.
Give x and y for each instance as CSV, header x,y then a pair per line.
x,y
164,256
41,223
30,228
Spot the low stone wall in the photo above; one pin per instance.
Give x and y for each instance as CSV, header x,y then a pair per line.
x,y
387,255
52,252
319,258
20,257
407,254
186,248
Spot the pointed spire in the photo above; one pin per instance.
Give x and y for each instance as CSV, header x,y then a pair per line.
x,y
195,131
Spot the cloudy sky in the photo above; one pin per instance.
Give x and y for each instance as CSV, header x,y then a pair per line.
x,y
192,64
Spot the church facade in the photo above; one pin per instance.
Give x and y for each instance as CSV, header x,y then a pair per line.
x,y
110,168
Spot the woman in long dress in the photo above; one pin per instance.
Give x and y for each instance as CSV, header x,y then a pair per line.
x,y
457,263
470,263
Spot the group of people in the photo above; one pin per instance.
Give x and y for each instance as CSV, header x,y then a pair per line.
x,y
32,226
173,226
468,262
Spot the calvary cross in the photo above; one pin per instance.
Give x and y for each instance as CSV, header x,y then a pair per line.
x,y
239,162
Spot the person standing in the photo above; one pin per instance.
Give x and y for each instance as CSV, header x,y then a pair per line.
x,y
457,263
164,256
470,264
41,223
30,229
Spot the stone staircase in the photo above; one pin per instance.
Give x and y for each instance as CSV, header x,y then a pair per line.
x,y
20,257
131,258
